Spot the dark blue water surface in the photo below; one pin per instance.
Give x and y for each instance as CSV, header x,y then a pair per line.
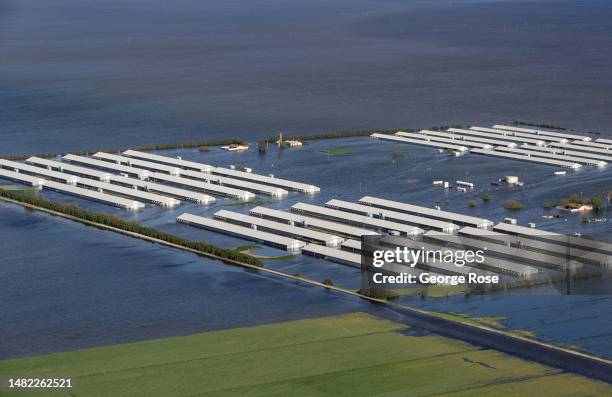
x,y
76,74
68,286
65,286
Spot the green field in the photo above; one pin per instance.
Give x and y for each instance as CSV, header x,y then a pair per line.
x,y
349,355
16,188
337,151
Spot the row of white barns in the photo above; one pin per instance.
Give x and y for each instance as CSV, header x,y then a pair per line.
x,y
192,175
129,181
334,231
46,178
553,148
227,172
253,183
332,225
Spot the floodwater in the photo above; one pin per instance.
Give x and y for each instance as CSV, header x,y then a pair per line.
x,y
70,286
77,74
65,286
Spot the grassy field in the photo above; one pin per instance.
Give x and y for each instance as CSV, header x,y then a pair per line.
x,y
252,250
337,151
349,355
16,188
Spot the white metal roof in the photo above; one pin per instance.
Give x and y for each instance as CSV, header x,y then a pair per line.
x,y
546,235
461,138
519,133
494,139
603,140
267,180
42,172
393,215
280,228
21,178
208,187
310,221
521,157
598,145
540,245
241,231
134,193
528,231
165,189
395,138
581,148
352,244
332,254
569,152
136,163
186,164
106,165
237,183
555,156
68,168
425,211
364,221
519,269
496,134
542,132
474,231
94,195
436,138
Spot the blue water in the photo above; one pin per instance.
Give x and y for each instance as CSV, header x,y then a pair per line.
x,y
77,74
65,286
69,286
582,322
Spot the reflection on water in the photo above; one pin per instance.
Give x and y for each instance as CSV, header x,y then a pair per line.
x,y
77,286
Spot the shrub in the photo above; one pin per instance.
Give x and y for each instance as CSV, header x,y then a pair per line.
x,y
575,199
471,203
486,196
547,205
328,281
513,205
598,203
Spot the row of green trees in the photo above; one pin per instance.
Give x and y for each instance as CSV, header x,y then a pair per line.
x,y
134,227
329,135
549,126
146,148
539,125
349,134
205,144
